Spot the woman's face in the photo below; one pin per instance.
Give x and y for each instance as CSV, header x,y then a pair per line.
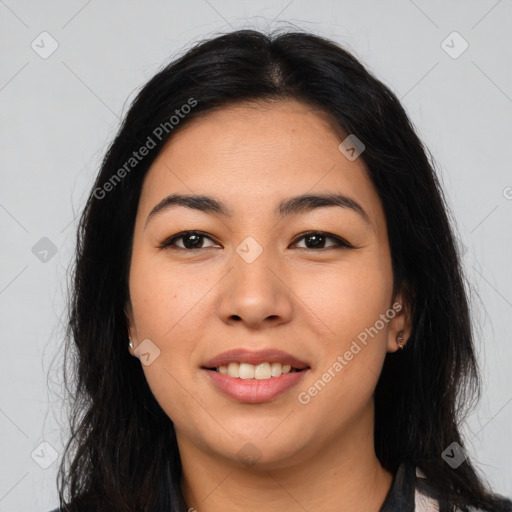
x,y
253,281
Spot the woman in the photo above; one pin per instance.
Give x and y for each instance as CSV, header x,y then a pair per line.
x,y
269,310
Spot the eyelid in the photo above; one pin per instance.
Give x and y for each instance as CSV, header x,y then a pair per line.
x,y
167,243
340,242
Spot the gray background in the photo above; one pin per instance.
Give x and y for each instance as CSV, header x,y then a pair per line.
x,y
59,113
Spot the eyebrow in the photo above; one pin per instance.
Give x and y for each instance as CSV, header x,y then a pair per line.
x,y
290,206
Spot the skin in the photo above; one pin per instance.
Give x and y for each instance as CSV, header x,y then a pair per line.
x,y
311,303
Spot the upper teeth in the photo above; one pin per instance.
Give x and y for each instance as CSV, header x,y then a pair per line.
x,y
260,372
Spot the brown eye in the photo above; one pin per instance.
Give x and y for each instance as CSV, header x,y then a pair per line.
x,y
195,240
316,240
191,240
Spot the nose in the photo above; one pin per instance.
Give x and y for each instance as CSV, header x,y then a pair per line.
x,y
255,293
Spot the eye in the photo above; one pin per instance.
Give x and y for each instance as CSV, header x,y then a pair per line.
x,y
194,240
191,240
318,238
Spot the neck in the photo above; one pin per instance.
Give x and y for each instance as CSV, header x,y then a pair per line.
x,y
342,473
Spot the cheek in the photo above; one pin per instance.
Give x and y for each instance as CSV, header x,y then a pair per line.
x,y
170,306
177,396
349,300
167,298
350,296
351,355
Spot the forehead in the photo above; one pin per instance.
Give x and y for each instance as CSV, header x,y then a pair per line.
x,y
252,154
260,134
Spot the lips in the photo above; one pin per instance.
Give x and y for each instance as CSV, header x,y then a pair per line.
x,y
255,358
254,390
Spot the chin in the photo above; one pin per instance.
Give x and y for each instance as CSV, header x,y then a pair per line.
x,y
260,448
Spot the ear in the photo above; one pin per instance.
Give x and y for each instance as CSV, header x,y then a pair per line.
x,y
128,311
401,321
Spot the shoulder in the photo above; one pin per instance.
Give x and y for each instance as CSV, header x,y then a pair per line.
x,y
423,502
72,508
78,505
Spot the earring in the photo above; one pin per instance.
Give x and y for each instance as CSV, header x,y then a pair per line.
x,y
130,343
400,339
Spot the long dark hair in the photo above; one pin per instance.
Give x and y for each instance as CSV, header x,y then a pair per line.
x,y
122,452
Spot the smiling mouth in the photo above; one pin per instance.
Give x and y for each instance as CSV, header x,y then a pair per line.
x,y
262,371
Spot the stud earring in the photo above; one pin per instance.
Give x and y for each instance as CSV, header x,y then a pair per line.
x,y
400,339
130,343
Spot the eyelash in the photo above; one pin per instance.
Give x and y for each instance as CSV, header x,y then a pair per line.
x,y
168,243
